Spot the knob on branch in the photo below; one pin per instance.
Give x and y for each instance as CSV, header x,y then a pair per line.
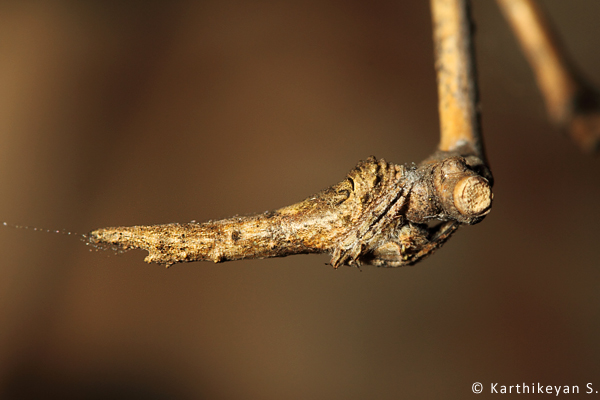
x,y
381,213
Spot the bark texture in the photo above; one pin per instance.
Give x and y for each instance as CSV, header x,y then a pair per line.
x,y
378,215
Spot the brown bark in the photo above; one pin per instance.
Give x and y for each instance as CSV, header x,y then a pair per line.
x,y
381,213
456,76
377,215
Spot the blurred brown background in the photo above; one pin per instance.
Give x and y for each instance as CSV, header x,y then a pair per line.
x,y
141,112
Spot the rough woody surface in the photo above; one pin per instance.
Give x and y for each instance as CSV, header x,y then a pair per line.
x,y
381,213
456,76
377,215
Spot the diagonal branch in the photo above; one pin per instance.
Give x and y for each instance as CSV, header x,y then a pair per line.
x,y
572,103
381,213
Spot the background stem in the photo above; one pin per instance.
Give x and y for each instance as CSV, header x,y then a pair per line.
x,y
572,103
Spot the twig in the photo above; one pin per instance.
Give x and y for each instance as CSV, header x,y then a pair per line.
x,y
380,213
456,75
376,215
572,103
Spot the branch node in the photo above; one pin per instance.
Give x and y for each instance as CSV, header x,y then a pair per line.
x,y
473,196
